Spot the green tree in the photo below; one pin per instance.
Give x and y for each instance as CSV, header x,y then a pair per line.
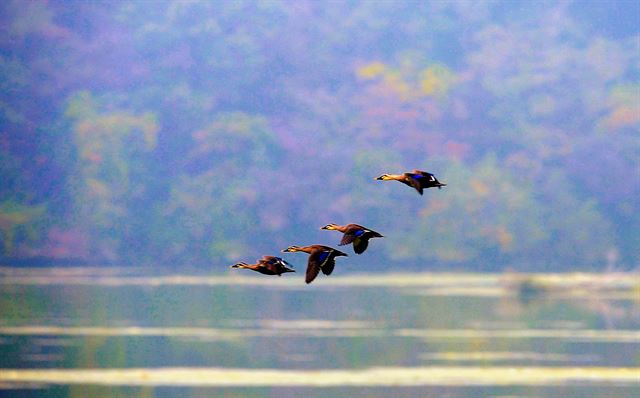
x,y
220,203
111,155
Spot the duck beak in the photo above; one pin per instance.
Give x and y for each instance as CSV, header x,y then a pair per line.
x,y
378,178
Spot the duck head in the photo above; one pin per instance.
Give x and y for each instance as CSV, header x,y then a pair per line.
x,y
291,249
384,177
330,227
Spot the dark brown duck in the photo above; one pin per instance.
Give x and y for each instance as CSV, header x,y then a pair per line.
x,y
320,258
416,179
354,233
267,265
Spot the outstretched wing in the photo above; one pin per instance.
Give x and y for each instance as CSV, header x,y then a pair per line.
x,y
427,180
328,266
413,180
312,272
273,260
275,264
360,245
373,234
423,174
317,261
355,231
352,234
346,239
324,260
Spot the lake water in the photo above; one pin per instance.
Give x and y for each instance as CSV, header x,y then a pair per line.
x,y
118,332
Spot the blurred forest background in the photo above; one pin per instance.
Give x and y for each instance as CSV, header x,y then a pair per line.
x,y
203,132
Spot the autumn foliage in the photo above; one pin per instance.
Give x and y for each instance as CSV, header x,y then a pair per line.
x,y
203,132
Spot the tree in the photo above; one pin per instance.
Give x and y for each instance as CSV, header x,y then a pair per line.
x,y
112,150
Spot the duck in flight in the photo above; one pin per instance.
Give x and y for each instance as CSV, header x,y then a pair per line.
x,y
267,265
416,179
320,258
354,233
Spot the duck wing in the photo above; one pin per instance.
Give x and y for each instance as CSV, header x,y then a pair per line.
x,y
360,245
328,267
317,260
427,180
363,232
420,173
353,232
267,265
322,258
284,266
413,180
346,239
373,234
273,260
325,260
312,272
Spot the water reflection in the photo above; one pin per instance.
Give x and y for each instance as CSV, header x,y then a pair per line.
x,y
403,376
329,330
506,356
126,327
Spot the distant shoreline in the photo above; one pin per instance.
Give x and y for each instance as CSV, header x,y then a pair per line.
x,y
42,262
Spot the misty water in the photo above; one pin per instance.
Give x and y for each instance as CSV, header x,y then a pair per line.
x,y
74,332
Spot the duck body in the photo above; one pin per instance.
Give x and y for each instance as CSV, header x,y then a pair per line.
x,y
354,233
267,265
417,179
321,258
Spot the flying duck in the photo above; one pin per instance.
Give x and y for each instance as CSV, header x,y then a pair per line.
x,y
268,265
320,258
417,179
354,233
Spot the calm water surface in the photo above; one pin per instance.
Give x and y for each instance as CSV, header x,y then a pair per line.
x,y
143,333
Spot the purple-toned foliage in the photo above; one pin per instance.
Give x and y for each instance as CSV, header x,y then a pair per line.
x,y
196,132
